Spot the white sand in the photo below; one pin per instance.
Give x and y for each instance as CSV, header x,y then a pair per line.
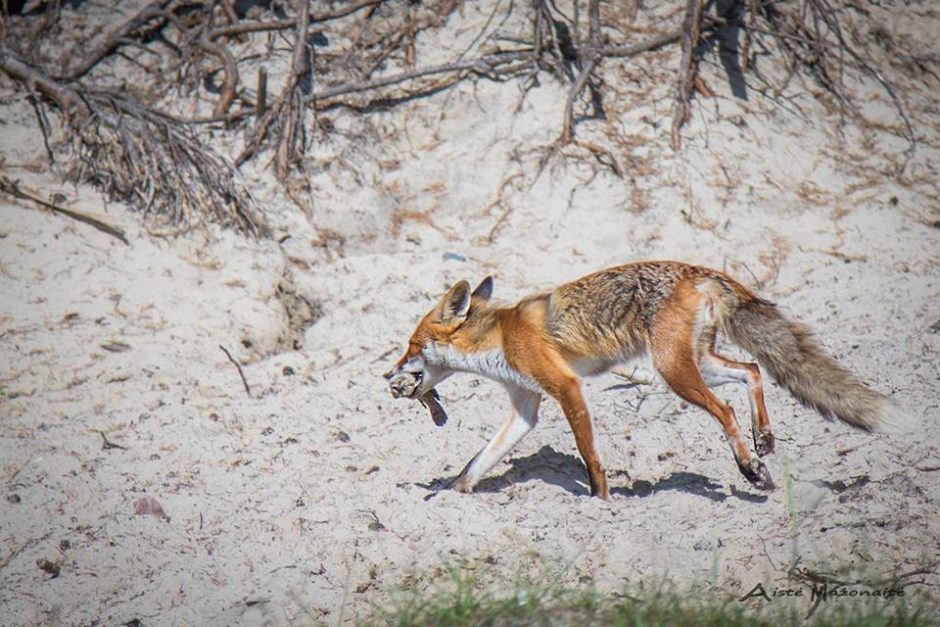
x,y
273,500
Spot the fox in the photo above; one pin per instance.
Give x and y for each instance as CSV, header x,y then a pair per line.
x,y
671,311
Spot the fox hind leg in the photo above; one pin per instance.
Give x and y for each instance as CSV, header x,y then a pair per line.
x,y
675,360
524,416
690,386
718,370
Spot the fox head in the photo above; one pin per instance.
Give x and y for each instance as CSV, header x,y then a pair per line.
x,y
422,367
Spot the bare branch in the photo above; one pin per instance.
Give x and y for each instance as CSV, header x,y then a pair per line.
x,y
691,29
242,28
112,39
67,100
140,155
481,65
231,74
590,61
13,188
287,142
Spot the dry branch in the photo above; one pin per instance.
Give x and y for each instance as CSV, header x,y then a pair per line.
x,y
139,155
230,67
650,44
691,30
590,59
483,65
812,39
110,41
13,188
70,103
242,28
287,110
292,102
238,367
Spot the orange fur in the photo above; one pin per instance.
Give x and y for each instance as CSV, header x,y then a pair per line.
x,y
673,311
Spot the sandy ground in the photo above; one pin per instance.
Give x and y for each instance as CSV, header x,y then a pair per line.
x,y
313,496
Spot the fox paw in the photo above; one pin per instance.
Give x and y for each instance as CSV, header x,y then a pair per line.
x,y
461,484
599,488
764,442
756,472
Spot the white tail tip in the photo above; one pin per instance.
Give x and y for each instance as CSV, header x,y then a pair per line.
x,y
895,419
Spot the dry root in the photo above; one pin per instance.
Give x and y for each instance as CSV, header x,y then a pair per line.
x,y
128,146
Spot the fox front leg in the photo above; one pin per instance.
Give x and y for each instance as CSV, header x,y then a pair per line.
x,y
524,416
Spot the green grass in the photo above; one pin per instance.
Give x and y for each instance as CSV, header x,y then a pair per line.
x,y
464,602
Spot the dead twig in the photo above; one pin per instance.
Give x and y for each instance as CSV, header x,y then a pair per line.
x,y
826,11
69,102
230,67
481,65
43,122
653,43
229,11
293,103
501,202
140,155
13,188
286,109
591,58
691,30
631,377
238,366
108,444
568,128
242,28
122,33
811,38
261,93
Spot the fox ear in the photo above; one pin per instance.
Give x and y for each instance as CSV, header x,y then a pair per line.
x,y
454,305
484,290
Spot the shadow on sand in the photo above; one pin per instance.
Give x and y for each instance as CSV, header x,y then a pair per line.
x,y
561,469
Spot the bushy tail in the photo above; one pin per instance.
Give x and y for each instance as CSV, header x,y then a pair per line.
x,y
788,351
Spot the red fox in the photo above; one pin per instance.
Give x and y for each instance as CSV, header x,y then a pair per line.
x,y
670,310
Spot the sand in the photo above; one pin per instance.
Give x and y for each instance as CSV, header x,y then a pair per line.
x,y
313,495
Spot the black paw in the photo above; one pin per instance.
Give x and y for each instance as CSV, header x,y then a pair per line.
x,y
756,472
764,443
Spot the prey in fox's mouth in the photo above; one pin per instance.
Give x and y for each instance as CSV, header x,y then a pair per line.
x,y
408,385
405,384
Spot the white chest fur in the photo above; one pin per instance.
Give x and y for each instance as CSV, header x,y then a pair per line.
x,y
491,364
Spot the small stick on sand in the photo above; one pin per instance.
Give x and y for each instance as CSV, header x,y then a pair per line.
x,y
108,444
239,367
13,188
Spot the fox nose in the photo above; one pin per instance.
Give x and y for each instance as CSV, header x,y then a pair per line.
x,y
388,375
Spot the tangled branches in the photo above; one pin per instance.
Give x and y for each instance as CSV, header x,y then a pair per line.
x,y
138,146
141,156
159,165
812,37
